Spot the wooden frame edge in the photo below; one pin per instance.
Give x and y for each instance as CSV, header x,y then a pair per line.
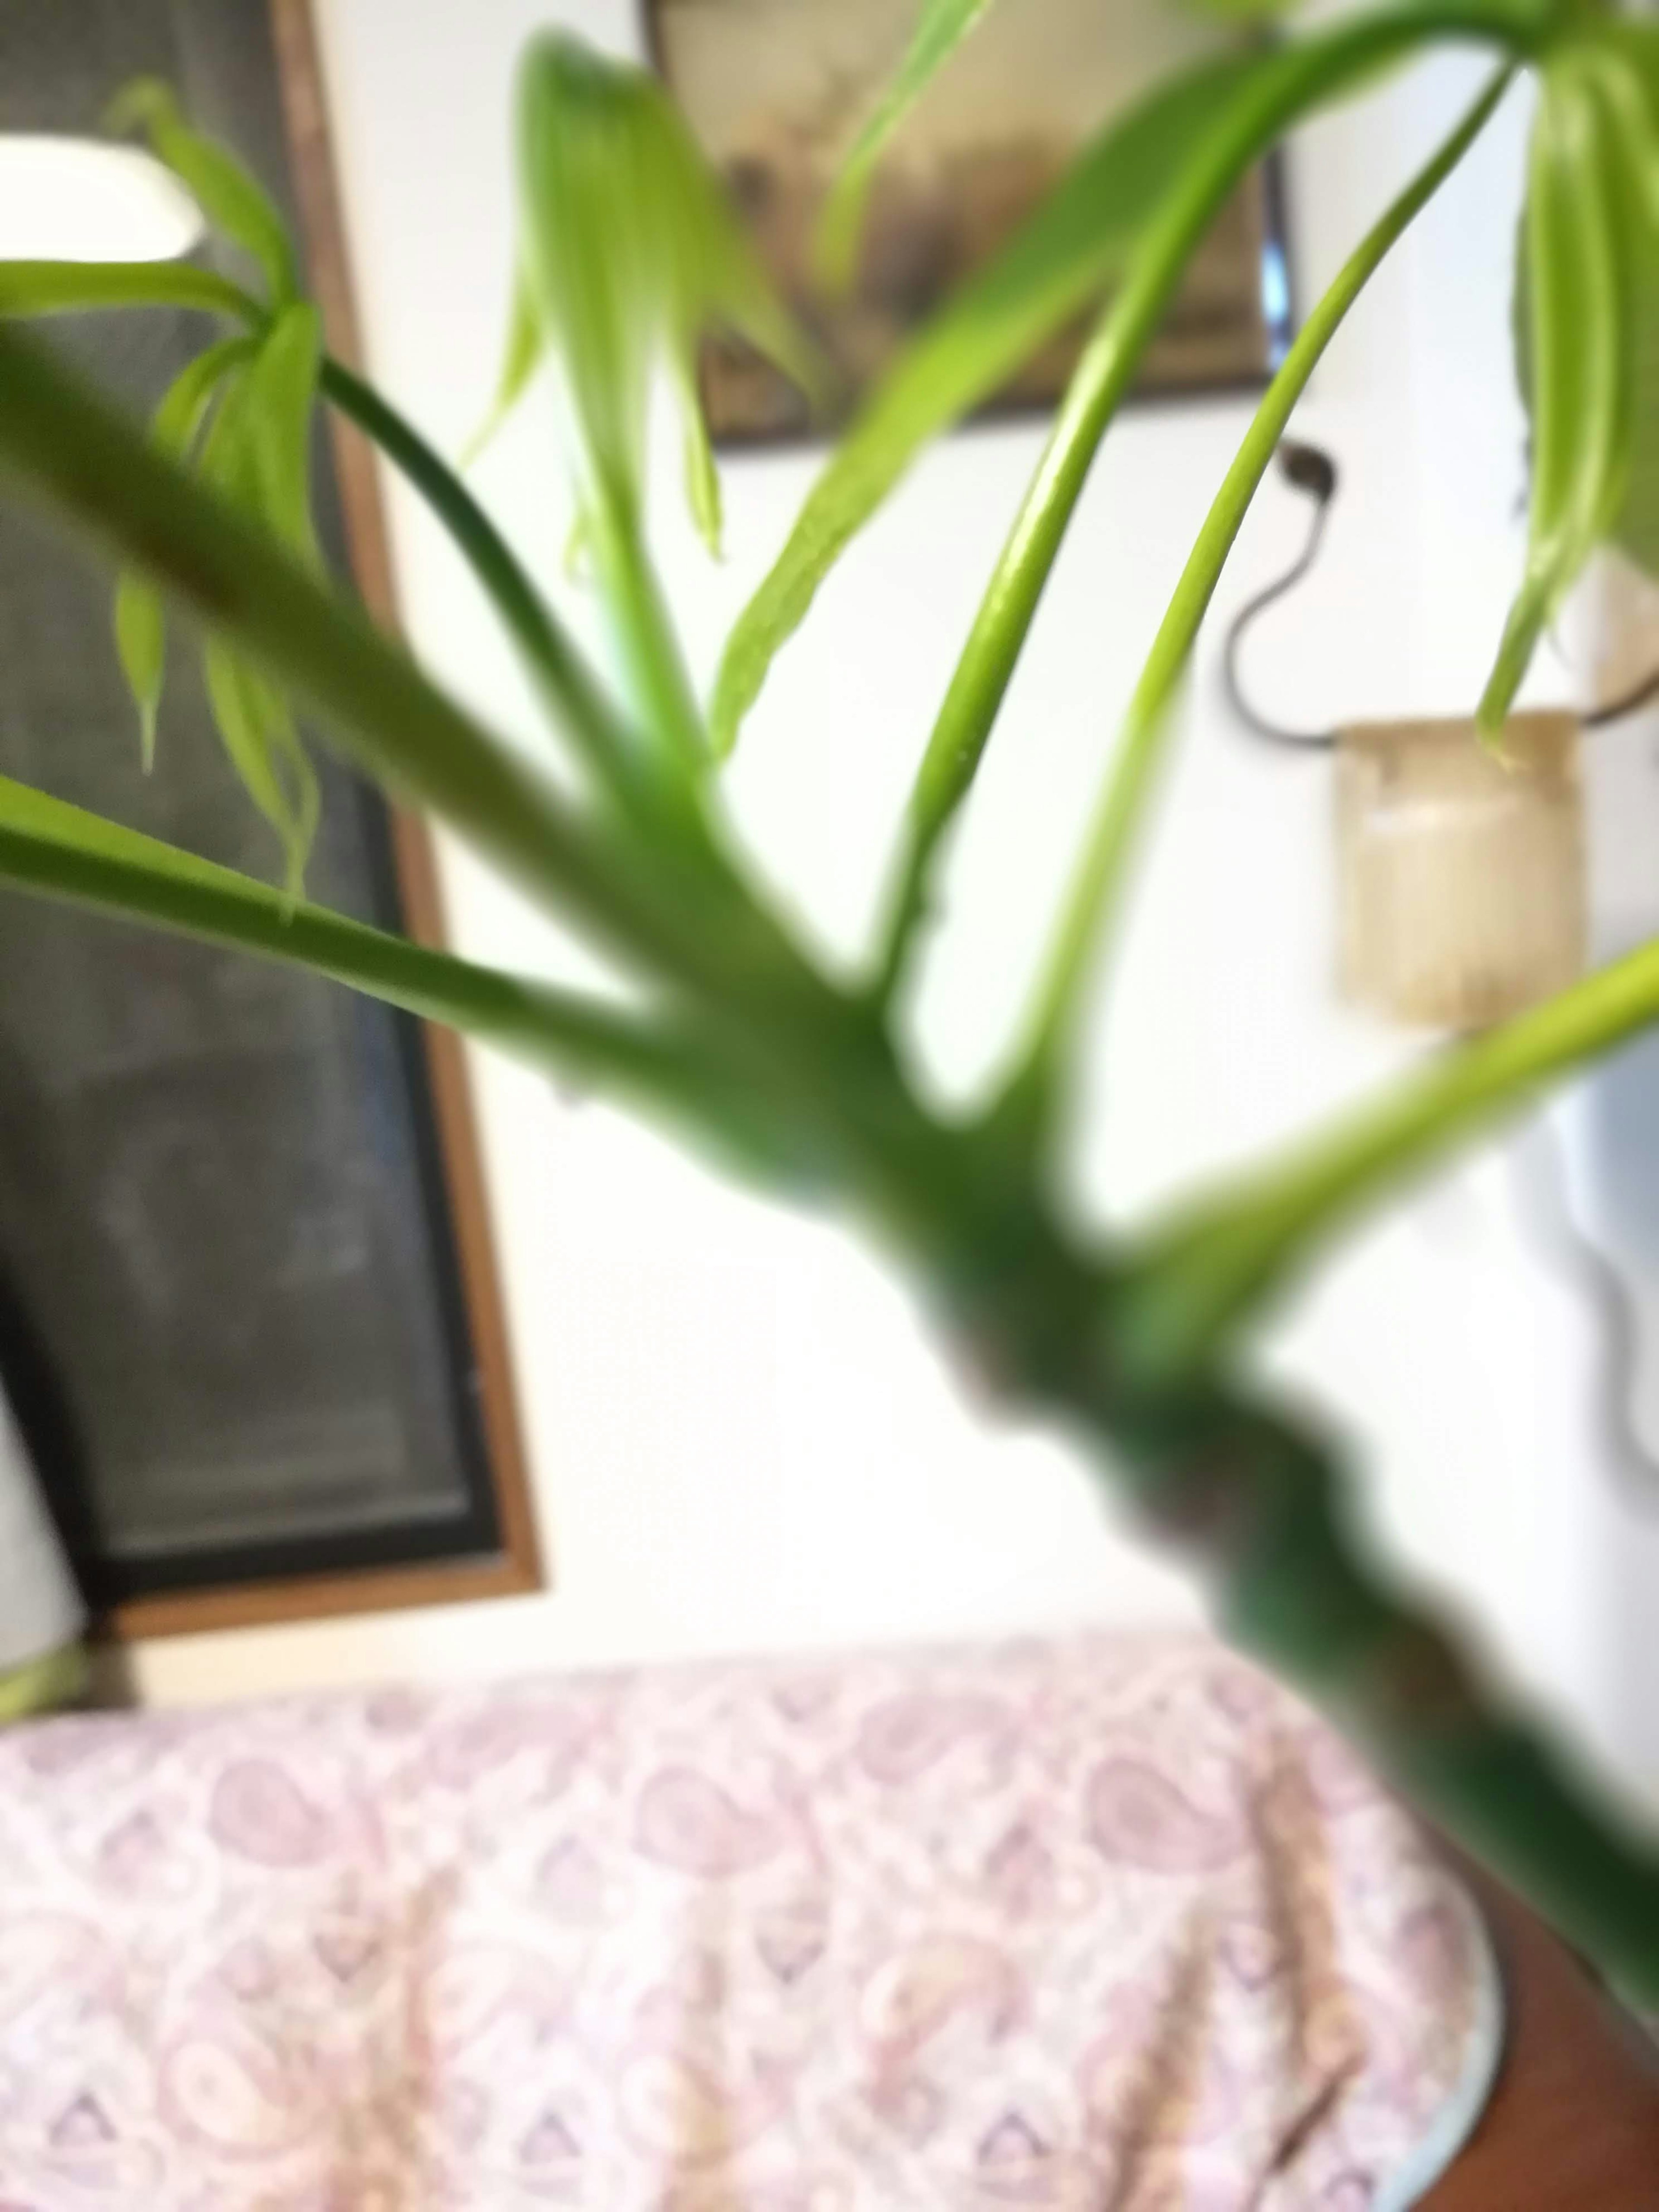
x,y
519,1566
322,1597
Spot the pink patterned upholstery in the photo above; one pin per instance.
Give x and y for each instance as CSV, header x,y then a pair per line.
x,y
1045,1927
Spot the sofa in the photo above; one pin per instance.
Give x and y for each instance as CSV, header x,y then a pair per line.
x,y
1071,1924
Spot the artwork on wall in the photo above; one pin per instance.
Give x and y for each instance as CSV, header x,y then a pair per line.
x,y
249,1314
775,90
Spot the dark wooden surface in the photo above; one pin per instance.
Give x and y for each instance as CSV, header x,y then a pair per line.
x,y
1573,2125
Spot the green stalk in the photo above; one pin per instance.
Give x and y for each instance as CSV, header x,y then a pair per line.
x,y
566,685
1259,1502
1141,744
50,847
654,666
1099,384
73,454
1216,1261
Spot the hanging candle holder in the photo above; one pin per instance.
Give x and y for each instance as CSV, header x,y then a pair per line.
x,y
1460,863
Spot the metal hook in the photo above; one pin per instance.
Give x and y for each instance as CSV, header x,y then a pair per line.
x,y
1309,469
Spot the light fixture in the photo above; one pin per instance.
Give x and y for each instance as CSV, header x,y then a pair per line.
x,y
75,199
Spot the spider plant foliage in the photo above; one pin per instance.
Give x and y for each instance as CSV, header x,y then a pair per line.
x,y
629,251
240,413
1588,288
626,253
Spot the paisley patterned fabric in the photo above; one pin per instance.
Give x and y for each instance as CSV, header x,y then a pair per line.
x,y
1045,1927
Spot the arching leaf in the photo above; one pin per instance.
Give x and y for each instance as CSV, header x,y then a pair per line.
x,y
59,288
140,641
521,357
940,28
235,203
279,399
1583,230
630,252
266,750
140,623
254,722
1068,252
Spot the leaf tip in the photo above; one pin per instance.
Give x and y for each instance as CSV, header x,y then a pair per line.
x,y
139,106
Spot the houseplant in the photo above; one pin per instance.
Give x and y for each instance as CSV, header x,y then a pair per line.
x,y
795,1077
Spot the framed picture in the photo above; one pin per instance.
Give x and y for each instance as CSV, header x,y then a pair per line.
x,y
249,1311
775,90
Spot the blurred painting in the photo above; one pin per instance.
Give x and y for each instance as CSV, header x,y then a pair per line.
x,y
776,90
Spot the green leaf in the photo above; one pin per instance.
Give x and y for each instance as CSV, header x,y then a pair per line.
x,y
630,252
702,479
59,288
233,201
184,406
699,1082
254,722
520,359
264,749
278,400
140,623
140,641
1247,11
1130,193
940,28
1578,250
1075,244
1629,84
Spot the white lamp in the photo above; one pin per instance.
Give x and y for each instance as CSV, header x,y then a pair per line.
x,y
75,199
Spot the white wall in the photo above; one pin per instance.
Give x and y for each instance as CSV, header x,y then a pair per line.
x,y
739,1435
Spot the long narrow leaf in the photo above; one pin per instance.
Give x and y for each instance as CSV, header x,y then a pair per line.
x,y
184,406
256,454
141,642
1626,70
263,746
279,401
67,450
940,29
1148,187
233,202
521,357
1579,361
52,848
1142,739
1219,1257
140,623
28,288
630,250
48,845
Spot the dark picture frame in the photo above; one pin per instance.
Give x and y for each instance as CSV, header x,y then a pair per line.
x,y
775,89
391,1089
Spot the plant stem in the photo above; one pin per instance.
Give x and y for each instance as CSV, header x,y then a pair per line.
x,y
1141,742
47,846
1103,377
652,664
1260,1506
1260,1503
566,685
66,447
1222,1256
